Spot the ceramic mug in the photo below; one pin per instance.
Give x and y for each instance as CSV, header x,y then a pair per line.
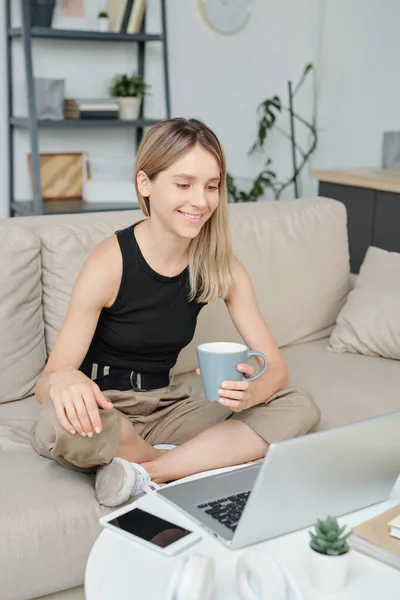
x,y
218,362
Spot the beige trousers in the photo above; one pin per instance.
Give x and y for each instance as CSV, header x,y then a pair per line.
x,y
168,416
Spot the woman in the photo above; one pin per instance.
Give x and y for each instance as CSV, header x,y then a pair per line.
x,y
107,394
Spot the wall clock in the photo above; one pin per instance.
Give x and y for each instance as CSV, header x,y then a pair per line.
x,y
226,16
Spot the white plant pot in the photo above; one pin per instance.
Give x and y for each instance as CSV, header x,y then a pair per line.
x,y
103,24
328,574
129,108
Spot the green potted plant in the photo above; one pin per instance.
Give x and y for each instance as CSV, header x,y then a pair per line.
x,y
330,555
103,21
268,181
129,91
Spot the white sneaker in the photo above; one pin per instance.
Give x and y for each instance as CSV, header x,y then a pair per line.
x,y
165,446
120,480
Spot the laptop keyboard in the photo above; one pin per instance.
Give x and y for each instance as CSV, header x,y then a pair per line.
x,y
226,510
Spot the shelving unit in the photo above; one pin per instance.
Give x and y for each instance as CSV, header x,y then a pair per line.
x,y
27,34
80,34
81,123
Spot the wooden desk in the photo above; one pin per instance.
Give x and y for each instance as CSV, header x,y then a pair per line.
x,y
372,198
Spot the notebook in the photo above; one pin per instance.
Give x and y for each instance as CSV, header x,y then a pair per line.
x,y
373,538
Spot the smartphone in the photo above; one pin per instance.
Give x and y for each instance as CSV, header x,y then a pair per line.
x,y
149,530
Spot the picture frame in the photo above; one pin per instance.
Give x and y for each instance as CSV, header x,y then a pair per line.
x,y
73,14
73,8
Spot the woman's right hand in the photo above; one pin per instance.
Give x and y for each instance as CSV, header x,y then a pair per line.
x,y
76,399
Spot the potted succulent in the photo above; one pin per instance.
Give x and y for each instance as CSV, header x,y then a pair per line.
x,y
103,21
41,12
330,557
129,91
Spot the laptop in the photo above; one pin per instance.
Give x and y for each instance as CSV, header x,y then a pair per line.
x,y
330,472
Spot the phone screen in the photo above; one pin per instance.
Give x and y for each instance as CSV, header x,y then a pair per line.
x,y
150,528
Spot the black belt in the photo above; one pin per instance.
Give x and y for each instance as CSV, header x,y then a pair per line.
x,y
118,379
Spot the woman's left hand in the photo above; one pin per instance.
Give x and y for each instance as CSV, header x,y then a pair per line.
x,y
237,395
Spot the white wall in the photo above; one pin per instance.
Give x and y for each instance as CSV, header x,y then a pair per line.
x,y
360,86
222,79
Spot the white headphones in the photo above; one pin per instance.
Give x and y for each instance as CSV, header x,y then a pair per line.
x,y
193,579
262,577
258,577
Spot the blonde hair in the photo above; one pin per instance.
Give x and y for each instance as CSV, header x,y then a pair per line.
x,y
210,254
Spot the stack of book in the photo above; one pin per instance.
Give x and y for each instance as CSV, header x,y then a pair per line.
x,y
91,108
378,537
126,16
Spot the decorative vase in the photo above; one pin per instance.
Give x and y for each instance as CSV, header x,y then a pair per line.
x,y
129,108
49,94
391,150
103,24
41,12
329,574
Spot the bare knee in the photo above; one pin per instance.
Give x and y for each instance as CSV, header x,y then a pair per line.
x,y
128,432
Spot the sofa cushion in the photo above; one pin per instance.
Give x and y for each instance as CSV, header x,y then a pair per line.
x,y
296,253
22,349
346,387
369,322
65,247
77,593
48,514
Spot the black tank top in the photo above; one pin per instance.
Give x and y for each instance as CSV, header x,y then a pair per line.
x,y
150,321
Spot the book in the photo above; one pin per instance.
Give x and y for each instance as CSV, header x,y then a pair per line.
x,y
373,538
136,16
91,104
125,20
91,109
394,525
92,114
98,114
116,13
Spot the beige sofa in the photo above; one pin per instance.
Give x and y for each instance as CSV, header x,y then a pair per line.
x,y
296,253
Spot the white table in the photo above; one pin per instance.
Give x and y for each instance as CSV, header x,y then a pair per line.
x,y
118,569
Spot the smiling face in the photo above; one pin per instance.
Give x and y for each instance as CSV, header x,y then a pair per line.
x,y
185,195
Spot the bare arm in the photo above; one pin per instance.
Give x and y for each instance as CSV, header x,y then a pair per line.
x,y
249,322
96,287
